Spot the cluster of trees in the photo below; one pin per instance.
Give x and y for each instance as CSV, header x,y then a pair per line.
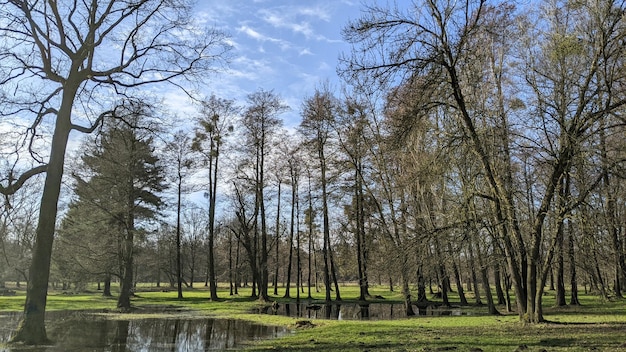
x,y
513,121
479,144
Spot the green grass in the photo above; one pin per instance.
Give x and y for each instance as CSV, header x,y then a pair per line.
x,y
596,325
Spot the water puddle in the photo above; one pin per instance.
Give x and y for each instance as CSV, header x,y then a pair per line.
x,y
354,311
84,332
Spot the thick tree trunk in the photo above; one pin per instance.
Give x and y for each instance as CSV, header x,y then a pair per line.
x,y
31,329
126,284
490,304
406,293
421,286
443,284
498,284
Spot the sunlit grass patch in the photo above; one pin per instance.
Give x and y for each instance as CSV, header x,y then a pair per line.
x,y
595,325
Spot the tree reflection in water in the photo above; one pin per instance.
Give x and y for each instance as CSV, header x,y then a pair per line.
x,y
356,311
85,332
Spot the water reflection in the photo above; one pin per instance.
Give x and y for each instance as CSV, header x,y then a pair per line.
x,y
360,311
81,332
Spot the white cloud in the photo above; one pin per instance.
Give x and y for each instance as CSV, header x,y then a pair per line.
x,y
305,51
320,12
324,66
252,33
295,19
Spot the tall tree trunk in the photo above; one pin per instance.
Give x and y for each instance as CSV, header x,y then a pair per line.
x,y
310,244
126,284
231,283
560,273
213,168
294,187
179,271
473,274
310,261
360,233
31,329
326,224
406,293
443,277
333,271
457,278
264,269
612,218
598,275
237,276
277,240
359,237
572,267
485,280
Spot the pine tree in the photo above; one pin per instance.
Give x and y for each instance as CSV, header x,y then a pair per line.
x,y
120,181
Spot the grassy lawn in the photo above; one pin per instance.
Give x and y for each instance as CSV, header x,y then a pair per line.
x,y
594,326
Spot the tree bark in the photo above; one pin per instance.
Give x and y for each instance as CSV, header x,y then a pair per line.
x,y
214,163
106,292
498,284
473,274
333,271
294,187
179,271
126,284
326,224
31,329
277,241
457,280
572,267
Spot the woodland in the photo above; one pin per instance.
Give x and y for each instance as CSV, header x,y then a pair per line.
x,y
476,146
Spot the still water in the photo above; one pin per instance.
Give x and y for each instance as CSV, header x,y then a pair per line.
x,y
85,332
353,311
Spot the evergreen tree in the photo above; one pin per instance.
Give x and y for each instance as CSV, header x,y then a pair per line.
x,y
120,180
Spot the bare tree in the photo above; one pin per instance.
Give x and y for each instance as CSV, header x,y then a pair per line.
x,y
291,151
260,124
318,117
59,61
215,124
570,78
178,149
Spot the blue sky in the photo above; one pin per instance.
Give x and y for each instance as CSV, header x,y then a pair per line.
x,y
286,45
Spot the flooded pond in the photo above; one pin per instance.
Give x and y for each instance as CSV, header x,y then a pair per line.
x,y
355,311
84,332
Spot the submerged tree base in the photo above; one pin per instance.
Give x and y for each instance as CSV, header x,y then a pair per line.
x,y
30,334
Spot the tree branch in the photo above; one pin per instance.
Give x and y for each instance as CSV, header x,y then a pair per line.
x,y
12,187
